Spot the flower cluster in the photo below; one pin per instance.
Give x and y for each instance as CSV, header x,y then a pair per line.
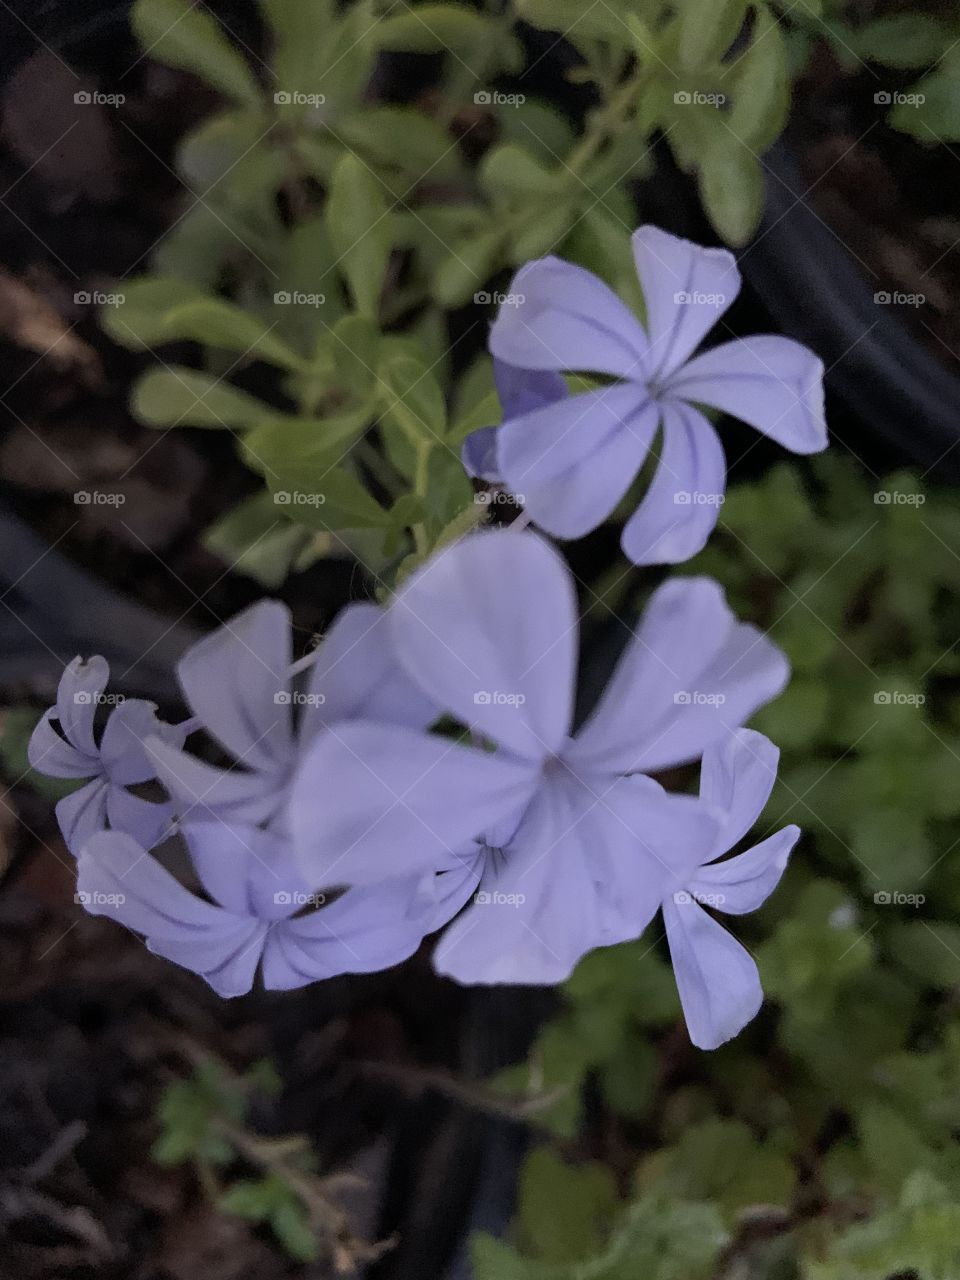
x,y
422,768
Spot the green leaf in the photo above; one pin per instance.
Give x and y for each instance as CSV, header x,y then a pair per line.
x,y
332,499
412,400
931,111
186,35
302,39
564,1211
290,1222
254,538
759,84
902,40
359,224
928,949
433,28
509,171
470,262
707,30
731,186
303,447
401,138
221,324
180,397
449,492
139,323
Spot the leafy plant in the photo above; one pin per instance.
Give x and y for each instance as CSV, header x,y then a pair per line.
x,y
823,1142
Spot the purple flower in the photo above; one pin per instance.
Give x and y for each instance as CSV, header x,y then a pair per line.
x,y
576,846
717,978
116,763
255,914
572,460
238,683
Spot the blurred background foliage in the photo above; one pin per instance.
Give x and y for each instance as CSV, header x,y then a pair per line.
x,y
322,333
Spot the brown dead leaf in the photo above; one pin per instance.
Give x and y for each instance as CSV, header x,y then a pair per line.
x,y
31,323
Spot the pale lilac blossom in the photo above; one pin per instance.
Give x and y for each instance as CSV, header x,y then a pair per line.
x,y
574,458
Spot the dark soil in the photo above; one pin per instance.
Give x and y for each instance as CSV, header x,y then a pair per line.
x,y
890,199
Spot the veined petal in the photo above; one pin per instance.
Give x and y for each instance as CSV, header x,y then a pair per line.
x,y
117,878
736,777
356,676
374,802
691,675
488,629
247,870
236,681
49,754
571,463
536,911
148,822
82,814
568,320
642,842
743,883
773,383
717,978
203,791
80,687
678,512
686,289
121,747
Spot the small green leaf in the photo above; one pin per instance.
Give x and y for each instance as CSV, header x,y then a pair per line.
x,y
412,399
902,40
333,499
186,35
221,324
930,110
731,186
433,28
181,397
565,1210
138,323
256,539
359,224
401,138
707,30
